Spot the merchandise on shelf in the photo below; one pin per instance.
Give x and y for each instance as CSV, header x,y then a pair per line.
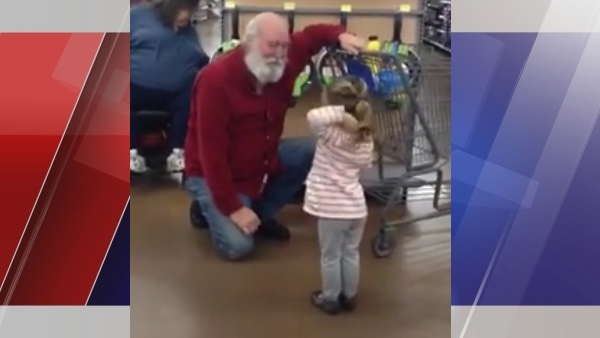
x,y
438,24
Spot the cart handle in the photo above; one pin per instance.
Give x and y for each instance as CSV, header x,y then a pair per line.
x,y
397,29
291,18
235,23
344,19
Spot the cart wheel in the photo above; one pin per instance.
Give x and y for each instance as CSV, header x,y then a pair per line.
x,y
383,245
196,217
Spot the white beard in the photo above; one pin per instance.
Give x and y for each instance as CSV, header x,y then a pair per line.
x,y
265,70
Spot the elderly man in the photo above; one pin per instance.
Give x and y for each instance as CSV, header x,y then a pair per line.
x,y
238,168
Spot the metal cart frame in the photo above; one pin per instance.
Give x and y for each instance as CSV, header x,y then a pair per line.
x,y
403,133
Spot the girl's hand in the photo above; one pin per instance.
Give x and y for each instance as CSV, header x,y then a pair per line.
x,y
349,123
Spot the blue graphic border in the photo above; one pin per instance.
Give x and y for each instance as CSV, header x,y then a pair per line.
x,y
525,142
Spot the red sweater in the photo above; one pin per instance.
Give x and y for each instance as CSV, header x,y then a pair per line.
x,y
233,132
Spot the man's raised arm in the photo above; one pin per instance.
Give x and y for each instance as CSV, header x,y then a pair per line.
x,y
313,38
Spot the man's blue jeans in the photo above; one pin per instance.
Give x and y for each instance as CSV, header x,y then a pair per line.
x,y
296,155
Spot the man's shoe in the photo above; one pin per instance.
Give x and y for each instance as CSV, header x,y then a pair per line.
x,y
197,217
273,230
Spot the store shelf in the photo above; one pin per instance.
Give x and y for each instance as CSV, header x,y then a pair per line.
x,y
438,46
437,25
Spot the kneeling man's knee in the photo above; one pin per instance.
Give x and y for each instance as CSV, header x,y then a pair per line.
x,y
237,250
306,151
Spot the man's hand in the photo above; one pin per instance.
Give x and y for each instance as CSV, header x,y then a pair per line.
x,y
352,43
246,220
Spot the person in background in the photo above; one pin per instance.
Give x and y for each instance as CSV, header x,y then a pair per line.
x,y
238,168
166,55
333,192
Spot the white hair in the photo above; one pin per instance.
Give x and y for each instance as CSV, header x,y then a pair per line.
x,y
254,26
252,29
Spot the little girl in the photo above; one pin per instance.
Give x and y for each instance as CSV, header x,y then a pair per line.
x,y
333,191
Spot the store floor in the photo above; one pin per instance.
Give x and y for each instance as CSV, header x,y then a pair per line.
x,y
180,289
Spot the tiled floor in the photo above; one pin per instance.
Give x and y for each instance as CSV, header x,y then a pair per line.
x,y
180,289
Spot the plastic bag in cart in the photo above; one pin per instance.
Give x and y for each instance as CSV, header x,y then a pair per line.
x,y
380,81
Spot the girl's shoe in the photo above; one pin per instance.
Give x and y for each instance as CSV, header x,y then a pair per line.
x,y
347,304
329,306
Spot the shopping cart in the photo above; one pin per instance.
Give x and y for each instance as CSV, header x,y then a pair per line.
x,y
410,61
411,132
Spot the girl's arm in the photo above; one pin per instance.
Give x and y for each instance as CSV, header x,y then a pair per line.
x,y
364,157
322,121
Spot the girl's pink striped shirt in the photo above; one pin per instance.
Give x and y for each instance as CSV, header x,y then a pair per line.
x,y
333,189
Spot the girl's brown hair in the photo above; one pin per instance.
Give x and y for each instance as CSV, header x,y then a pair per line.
x,y
352,93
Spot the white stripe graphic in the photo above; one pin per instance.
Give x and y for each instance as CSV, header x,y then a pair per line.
x,y
518,16
107,250
62,16
67,322
528,322
16,279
